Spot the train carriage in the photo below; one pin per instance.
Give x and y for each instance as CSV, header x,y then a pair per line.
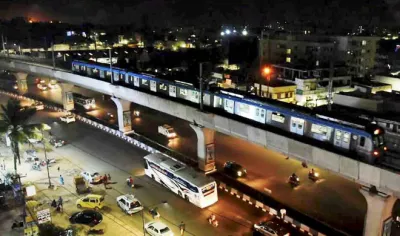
x,y
364,139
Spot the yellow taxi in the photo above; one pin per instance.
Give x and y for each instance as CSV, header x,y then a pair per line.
x,y
91,201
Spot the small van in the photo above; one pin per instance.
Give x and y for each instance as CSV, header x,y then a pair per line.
x,y
91,201
167,130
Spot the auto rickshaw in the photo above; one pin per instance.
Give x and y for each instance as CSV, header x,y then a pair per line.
x,y
81,185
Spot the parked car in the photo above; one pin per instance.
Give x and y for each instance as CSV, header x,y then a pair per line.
x,y
129,204
91,201
167,130
271,228
234,169
86,217
68,118
157,228
91,177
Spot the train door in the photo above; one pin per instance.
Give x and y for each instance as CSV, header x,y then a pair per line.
x,y
153,86
342,139
136,81
297,125
172,91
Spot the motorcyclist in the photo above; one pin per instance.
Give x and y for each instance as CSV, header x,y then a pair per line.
x,y
294,177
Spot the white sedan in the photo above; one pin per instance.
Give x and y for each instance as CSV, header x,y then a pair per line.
x,y
68,118
158,229
91,177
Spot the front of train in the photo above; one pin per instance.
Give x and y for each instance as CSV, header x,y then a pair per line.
x,y
379,147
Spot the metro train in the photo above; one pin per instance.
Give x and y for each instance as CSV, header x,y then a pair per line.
x,y
357,136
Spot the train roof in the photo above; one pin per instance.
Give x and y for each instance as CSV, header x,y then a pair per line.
x,y
179,169
362,114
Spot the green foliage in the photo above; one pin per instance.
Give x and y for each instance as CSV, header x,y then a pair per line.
x,y
14,121
49,229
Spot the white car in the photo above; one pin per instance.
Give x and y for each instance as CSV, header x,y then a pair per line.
x,y
38,105
167,130
90,177
68,118
158,229
129,204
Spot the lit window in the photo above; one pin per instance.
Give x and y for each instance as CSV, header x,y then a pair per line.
x,y
288,59
364,42
288,51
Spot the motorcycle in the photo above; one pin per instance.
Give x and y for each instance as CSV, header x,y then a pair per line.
x,y
57,142
294,181
36,167
212,221
17,224
154,213
314,176
49,161
95,231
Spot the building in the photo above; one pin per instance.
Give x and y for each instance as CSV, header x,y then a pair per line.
x,y
313,92
310,52
278,89
359,53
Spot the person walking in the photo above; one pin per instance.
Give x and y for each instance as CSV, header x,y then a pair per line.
x,y
105,181
182,227
60,203
61,180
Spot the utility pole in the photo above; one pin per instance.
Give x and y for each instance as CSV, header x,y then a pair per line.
x,y
201,85
52,55
331,74
109,53
2,43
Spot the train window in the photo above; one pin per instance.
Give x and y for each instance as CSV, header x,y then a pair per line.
x,y
338,134
278,117
163,87
346,137
183,92
362,141
319,129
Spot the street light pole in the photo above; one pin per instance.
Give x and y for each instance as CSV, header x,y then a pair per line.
x,y
45,158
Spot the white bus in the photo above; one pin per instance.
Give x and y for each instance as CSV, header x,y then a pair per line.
x,y
193,186
86,102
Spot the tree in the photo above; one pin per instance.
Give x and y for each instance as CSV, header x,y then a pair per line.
x,y
14,122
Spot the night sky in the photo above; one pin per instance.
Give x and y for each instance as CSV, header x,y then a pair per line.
x,y
205,12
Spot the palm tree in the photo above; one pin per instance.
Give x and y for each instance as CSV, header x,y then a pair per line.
x,y
14,122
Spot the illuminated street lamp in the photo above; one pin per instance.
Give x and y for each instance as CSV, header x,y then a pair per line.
x,y
266,71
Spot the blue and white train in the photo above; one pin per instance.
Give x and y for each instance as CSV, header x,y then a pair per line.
x,y
364,139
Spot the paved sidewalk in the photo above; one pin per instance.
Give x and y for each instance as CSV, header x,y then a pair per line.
x,y
115,222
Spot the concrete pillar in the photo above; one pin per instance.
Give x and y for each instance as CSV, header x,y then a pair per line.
x,y
67,96
21,81
379,212
123,114
205,148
